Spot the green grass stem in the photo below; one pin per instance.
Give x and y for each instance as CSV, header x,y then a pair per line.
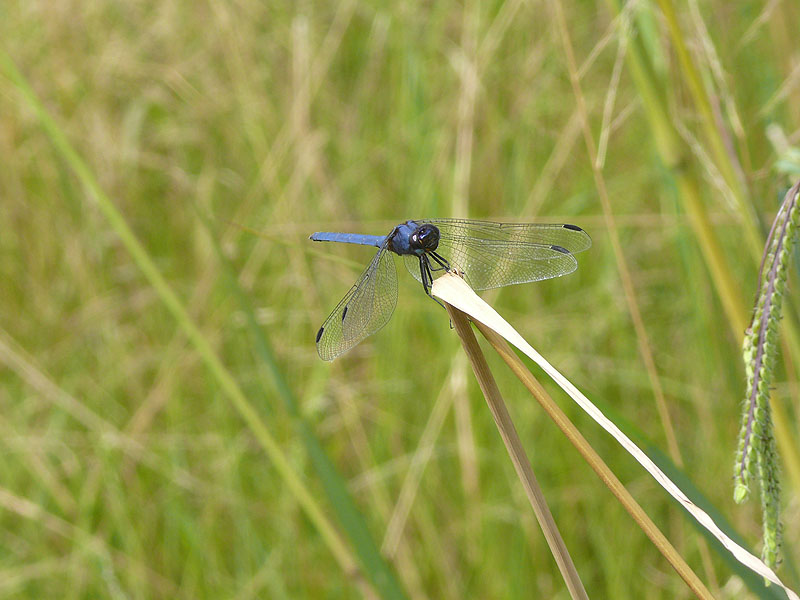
x,y
225,380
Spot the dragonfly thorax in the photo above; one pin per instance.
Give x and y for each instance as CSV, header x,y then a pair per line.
x,y
425,238
413,238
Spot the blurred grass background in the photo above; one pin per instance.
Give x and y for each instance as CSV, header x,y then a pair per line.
x,y
127,474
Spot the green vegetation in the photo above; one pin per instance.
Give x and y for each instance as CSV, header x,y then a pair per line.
x,y
168,430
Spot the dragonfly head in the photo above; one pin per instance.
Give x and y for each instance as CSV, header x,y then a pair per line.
x,y
425,238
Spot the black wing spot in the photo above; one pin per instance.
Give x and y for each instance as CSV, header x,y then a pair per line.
x,y
344,313
573,227
319,334
559,249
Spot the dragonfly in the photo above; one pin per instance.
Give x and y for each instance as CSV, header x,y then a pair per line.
x,y
487,254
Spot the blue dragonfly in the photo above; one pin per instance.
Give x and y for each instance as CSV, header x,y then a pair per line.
x,y
487,254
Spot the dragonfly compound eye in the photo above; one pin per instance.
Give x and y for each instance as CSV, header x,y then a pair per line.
x,y
426,238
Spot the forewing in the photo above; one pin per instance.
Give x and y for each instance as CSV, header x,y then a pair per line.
x,y
571,238
364,309
498,254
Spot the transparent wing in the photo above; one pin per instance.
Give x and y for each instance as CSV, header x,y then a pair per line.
x,y
570,237
498,254
364,309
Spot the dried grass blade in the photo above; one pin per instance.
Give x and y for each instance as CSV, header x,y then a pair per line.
x,y
522,465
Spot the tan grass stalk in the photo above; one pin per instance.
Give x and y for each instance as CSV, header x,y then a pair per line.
x,y
642,338
517,453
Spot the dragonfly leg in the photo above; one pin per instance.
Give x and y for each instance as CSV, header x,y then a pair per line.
x,y
442,261
424,274
427,277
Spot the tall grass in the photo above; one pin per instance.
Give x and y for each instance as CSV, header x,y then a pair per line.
x,y
127,471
